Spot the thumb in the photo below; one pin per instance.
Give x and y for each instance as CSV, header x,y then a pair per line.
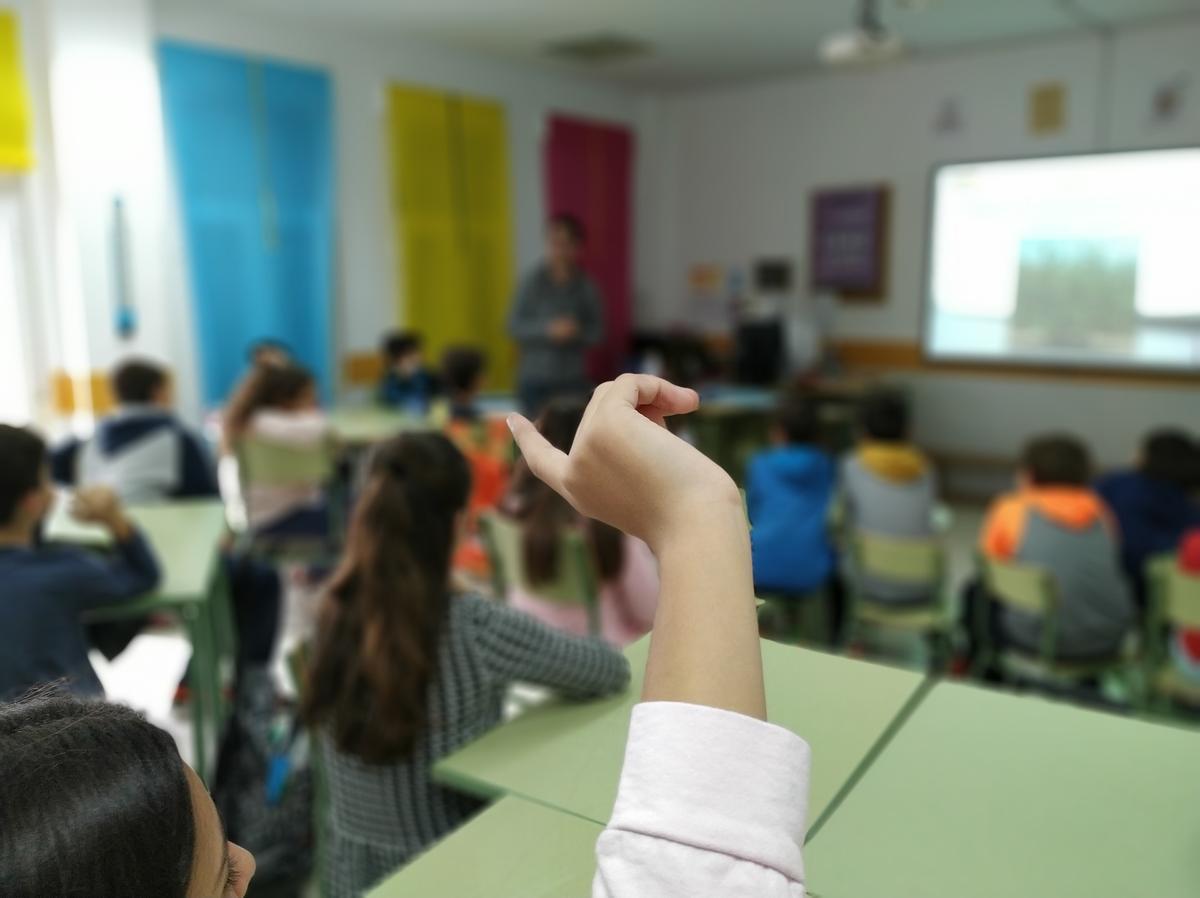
x,y
547,463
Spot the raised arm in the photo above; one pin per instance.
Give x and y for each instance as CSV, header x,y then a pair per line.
x,y
712,800
629,471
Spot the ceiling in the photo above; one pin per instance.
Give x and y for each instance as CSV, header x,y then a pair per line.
x,y
693,41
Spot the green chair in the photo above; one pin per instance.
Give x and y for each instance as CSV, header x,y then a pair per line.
x,y
575,584
266,463
919,564
1034,591
1174,604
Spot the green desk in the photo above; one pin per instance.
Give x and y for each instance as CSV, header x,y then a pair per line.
x,y
569,756
365,425
514,849
186,539
986,794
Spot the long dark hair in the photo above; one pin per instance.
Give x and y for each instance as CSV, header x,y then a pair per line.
x,y
94,800
382,617
269,386
544,514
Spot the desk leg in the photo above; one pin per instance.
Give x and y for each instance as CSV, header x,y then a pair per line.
x,y
205,694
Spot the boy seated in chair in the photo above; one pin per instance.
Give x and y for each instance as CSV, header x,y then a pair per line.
x,y
888,489
142,451
1056,522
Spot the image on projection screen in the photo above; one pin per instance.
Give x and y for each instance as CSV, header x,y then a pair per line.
x,y
1073,260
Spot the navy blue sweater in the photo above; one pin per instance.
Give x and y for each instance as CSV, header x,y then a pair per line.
x,y
1152,514
45,593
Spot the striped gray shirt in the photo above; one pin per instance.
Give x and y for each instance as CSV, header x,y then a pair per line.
x,y
381,816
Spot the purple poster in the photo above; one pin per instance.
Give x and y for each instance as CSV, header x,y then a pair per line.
x,y
849,236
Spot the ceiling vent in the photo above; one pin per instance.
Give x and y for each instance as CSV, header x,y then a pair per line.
x,y
598,49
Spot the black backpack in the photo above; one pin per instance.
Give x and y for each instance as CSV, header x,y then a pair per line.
x,y
264,786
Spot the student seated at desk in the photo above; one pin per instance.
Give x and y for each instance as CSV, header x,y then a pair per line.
x,y
1155,502
407,385
279,407
98,802
405,671
46,590
628,573
142,451
462,379
712,798
788,491
1056,522
888,487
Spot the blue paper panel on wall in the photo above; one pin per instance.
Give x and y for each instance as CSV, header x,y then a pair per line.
x,y
252,145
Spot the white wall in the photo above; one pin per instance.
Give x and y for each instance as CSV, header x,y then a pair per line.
x,y
109,142
362,64
738,165
98,135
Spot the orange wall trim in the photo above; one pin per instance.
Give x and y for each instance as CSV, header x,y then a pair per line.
x,y
362,369
85,393
880,356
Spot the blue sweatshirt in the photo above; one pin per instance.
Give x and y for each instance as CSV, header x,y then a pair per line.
x,y
1152,516
46,591
788,491
411,393
143,453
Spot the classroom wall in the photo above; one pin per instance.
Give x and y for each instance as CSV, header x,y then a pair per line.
x,y
99,136
734,167
107,137
362,64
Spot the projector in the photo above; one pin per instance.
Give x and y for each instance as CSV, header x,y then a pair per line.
x,y
868,42
850,48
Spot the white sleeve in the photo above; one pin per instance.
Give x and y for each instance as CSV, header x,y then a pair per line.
x,y
711,803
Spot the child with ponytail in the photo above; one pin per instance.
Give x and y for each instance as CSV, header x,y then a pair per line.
x,y
405,671
624,566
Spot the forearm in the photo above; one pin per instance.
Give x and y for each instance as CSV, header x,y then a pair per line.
x,y
705,648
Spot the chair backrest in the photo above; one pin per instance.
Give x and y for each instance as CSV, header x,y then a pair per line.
x,y
1027,588
266,463
1023,587
574,583
1177,592
899,560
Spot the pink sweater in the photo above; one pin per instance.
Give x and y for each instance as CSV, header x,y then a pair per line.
x,y
711,803
627,603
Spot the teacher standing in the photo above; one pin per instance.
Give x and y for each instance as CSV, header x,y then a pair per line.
x,y
556,316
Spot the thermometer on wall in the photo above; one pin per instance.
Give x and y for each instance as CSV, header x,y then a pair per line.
x,y
124,311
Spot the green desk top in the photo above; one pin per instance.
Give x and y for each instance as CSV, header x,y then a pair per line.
x,y
984,794
514,849
185,536
569,756
360,426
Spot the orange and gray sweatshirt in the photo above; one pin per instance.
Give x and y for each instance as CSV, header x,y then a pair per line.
x,y
1070,532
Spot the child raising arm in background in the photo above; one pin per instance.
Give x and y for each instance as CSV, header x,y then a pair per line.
x,y
712,799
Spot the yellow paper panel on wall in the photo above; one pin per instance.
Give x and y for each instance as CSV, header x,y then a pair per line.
x,y
449,164
1047,107
16,152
